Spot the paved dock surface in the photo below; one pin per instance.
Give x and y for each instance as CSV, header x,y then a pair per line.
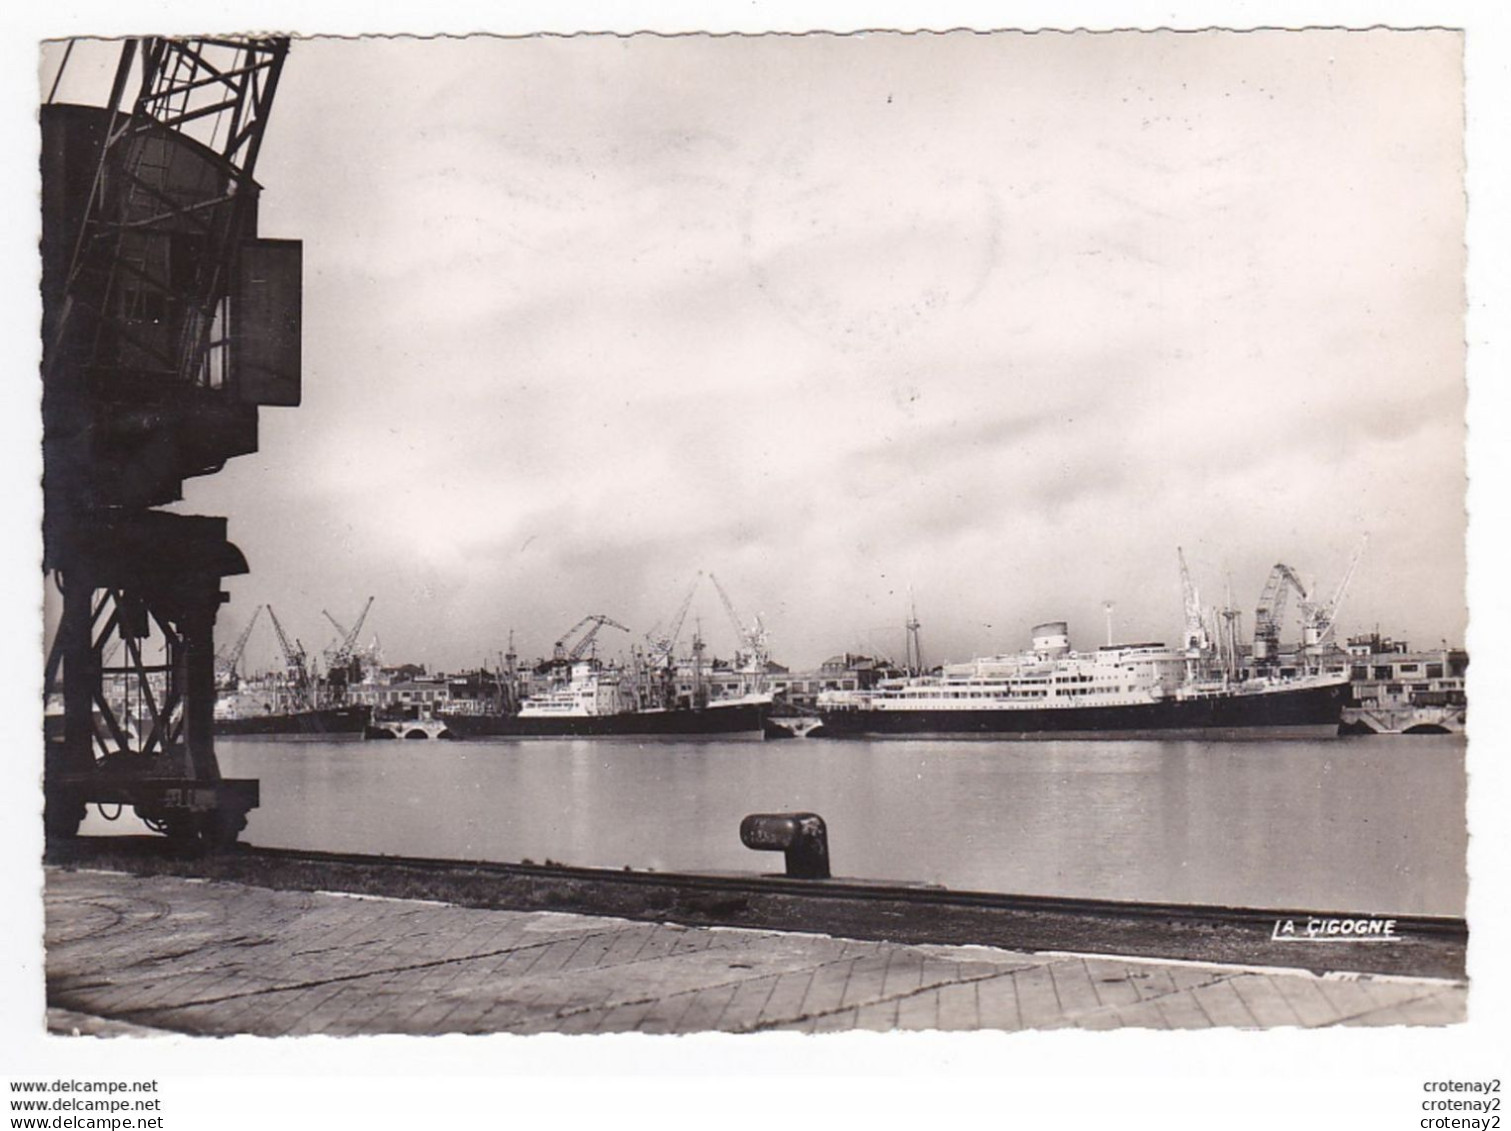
x,y
133,954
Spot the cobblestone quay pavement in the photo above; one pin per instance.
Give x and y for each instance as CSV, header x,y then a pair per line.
x,y
141,954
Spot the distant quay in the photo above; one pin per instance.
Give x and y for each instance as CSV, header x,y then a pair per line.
x,y
1397,689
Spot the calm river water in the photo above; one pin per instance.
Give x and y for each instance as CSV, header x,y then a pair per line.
x,y
1363,824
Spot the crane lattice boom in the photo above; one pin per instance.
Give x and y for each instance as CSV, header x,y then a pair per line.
x,y
664,644
232,656
1271,611
561,652
217,93
753,639
1319,617
342,652
1196,637
294,661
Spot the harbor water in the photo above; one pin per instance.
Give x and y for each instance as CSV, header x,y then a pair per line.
x,y
1367,824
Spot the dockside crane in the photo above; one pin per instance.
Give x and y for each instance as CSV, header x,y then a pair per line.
x,y
1195,640
663,644
168,321
296,666
752,640
340,631
1319,617
1270,613
562,654
341,655
226,673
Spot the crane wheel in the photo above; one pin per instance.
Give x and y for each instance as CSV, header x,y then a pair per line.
x,y
219,828
61,818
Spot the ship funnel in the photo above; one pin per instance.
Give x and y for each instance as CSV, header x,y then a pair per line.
x,y
1052,638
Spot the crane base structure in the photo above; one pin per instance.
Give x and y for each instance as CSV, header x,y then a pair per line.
x,y
143,587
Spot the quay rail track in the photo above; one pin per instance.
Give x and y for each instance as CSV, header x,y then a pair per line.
x,y
1421,946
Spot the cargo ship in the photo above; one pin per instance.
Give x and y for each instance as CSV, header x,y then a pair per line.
x,y
594,701
268,707
1119,691
329,724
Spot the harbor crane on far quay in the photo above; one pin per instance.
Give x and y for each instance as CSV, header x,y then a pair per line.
x,y
226,667
296,665
752,639
1318,617
664,644
562,654
341,655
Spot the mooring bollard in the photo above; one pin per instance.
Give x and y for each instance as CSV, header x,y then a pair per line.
x,y
802,836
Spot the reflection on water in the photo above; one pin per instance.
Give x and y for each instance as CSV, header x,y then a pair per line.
x,y
1368,824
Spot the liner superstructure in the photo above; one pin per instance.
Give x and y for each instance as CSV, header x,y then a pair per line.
x,y
1117,691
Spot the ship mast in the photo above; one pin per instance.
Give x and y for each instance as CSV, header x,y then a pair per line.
x,y
508,678
700,696
1231,629
912,649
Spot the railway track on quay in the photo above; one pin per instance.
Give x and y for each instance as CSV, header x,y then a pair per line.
x,y
1293,938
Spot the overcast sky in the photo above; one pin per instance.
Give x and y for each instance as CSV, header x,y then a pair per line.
x,y
994,320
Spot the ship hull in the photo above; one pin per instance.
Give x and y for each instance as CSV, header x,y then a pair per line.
x,y
736,718
1307,712
329,724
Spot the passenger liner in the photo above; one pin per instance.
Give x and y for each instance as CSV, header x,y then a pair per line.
x,y
1120,691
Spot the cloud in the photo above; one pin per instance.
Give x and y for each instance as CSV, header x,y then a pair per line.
x,y
1002,319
